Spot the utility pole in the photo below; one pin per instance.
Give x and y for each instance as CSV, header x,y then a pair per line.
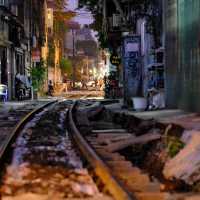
x,y
73,64
104,25
87,69
118,7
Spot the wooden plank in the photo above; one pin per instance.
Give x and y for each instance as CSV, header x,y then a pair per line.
x,y
112,135
110,131
109,140
117,146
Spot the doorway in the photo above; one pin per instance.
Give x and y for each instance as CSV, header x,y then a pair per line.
x,y
3,66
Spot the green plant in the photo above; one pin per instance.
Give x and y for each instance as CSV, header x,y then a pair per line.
x,y
38,75
66,66
174,145
51,55
103,40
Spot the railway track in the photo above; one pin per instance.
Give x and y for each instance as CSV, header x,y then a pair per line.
x,y
123,179
40,161
60,151
11,115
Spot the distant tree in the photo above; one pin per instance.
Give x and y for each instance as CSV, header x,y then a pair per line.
x,y
61,19
38,75
79,64
66,67
51,54
88,46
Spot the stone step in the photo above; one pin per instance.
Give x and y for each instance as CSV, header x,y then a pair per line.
x,y
110,131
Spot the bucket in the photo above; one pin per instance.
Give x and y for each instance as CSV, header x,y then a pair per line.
x,y
139,103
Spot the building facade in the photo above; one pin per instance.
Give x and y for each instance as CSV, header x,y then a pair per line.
x,y
21,35
182,54
132,30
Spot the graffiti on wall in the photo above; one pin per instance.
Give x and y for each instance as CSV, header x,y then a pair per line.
x,y
132,65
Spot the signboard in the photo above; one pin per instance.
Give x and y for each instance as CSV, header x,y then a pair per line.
x,y
132,66
115,60
132,47
36,55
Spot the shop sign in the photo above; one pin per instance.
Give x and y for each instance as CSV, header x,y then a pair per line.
x,y
36,55
115,60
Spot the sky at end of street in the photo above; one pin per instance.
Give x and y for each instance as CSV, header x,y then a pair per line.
x,y
83,16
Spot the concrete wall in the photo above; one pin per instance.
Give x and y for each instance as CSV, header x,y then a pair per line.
x,y
183,54
171,46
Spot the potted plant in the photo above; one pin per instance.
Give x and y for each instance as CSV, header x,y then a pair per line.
x,y
38,74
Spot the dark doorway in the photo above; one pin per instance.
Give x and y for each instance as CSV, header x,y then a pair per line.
x,y
20,63
4,72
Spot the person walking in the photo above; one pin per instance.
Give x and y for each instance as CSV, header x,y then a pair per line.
x,y
50,88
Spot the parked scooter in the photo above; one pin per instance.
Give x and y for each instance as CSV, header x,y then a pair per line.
x,y
19,90
22,89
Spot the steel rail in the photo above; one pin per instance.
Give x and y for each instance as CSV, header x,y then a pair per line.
x,y
99,167
4,148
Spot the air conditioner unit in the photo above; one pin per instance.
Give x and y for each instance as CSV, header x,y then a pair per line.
x,y
117,20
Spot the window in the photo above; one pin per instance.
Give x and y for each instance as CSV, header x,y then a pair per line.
x,y
14,9
1,26
2,2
